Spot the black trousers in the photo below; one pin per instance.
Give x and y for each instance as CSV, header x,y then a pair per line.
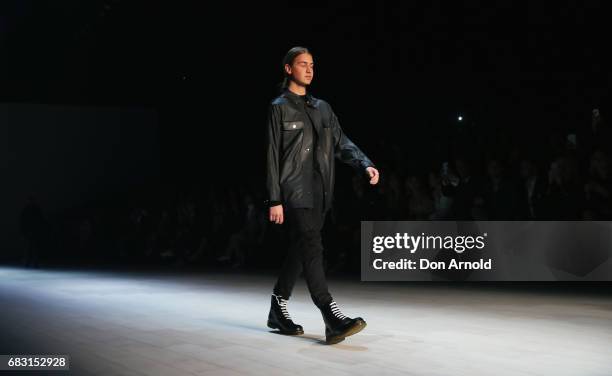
x,y
306,249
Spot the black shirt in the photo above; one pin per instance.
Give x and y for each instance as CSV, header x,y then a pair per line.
x,y
308,123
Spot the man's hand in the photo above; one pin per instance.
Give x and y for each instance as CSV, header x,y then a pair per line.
x,y
276,214
373,174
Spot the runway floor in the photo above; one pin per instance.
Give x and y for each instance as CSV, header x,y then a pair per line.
x,y
214,323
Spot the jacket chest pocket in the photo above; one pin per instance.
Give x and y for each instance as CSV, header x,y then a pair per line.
x,y
292,136
292,125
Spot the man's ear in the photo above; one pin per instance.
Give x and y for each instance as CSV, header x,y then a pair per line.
x,y
288,69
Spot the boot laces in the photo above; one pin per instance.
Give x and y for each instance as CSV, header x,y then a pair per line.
x,y
282,303
336,311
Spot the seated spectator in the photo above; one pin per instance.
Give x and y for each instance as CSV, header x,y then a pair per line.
x,y
442,204
598,188
564,197
420,204
533,187
502,200
462,187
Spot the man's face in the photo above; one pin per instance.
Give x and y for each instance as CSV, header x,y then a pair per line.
x,y
302,69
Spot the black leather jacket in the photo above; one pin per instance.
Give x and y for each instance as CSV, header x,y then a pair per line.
x,y
289,177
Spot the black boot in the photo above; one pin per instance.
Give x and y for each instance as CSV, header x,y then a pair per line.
x,y
339,326
279,317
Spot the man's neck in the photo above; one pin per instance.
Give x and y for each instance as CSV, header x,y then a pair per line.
x,y
297,89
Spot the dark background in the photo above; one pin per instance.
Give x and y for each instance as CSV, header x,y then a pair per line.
x,y
388,68
391,71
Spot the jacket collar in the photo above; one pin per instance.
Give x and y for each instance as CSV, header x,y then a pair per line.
x,y
296,98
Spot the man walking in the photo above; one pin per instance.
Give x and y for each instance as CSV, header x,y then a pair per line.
x,y
303,138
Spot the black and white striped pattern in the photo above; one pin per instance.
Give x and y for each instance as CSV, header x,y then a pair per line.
x,y
336,310
282,303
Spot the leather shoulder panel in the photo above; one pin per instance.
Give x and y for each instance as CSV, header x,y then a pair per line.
x,y
279,100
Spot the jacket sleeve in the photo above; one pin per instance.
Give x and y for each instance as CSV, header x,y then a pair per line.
x,y
345,150
273,127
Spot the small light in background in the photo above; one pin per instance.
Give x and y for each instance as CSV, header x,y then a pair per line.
x,y
460,118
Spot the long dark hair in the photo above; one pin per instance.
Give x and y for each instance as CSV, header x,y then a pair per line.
x,y
288,59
